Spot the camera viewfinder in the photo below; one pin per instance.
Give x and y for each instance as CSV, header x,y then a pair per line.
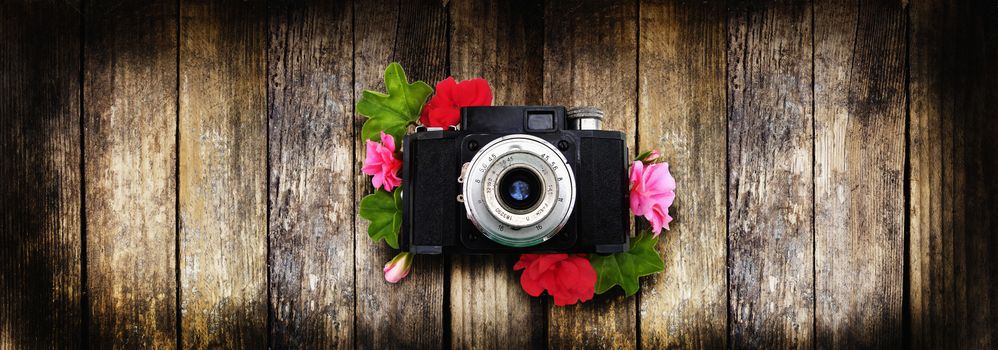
x,y
540,120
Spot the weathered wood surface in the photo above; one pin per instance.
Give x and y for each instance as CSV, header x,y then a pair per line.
x,y
681,111
770,185
185,174
859,113
130,130
953,122
495,40
223,174
310,92
41,246
409,314
590,58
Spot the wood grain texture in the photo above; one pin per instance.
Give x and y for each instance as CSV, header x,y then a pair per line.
x,y
130,125
310,101
770,188
223,174
953,134
590,58
859,100
497,41
409,314
681,112
40,175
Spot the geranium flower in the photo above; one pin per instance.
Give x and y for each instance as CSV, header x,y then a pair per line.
x,y
652,192
444,108
567,278
397,268
382,164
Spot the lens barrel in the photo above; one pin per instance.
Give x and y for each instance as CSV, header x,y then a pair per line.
x,y
518,190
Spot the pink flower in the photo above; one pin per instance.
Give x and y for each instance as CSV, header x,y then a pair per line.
x,y
652,192
382,164
397,268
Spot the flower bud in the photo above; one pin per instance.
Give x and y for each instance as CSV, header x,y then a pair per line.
x,y
397,268
653,156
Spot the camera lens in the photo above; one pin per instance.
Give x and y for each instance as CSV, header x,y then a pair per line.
x,y
520,189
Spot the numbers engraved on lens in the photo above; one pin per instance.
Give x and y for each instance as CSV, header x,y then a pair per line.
x,y
489,184
509,160
502,213
542,211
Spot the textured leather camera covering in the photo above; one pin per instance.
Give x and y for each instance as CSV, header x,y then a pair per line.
x,y
434,168
602,193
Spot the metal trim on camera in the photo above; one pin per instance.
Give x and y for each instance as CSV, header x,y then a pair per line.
x,y
545,209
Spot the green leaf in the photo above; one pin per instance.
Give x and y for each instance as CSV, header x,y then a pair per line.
x,y
392,112
384,211
642,156
623,269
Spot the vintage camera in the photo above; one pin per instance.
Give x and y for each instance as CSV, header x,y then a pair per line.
x,y
516,179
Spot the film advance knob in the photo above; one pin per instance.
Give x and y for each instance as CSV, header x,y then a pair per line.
x,y
585,118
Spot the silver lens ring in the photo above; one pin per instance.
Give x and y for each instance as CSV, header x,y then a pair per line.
x,y
524,227
501,211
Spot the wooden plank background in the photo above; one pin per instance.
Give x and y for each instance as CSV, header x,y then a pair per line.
x,y
184,174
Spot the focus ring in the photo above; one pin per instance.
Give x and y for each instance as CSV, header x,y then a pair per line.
x,y
481,196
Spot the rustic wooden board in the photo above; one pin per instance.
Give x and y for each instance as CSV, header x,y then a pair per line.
x,y
590,58
770,188
310,104
953,134
859,114
792,153
681,112
40,175
497,41
411,313
223,174
130,125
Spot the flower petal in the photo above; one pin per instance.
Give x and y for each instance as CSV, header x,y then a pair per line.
x,y
443,117
388,141
444,92
474,92
531,286
587,274
525,260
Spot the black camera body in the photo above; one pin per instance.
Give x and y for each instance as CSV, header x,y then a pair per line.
x,y
545,179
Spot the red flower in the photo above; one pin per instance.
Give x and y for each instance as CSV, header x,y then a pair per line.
x,y
568,278
444,109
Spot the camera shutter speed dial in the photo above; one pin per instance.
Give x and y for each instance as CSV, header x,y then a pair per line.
x,y
518,190
585,118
